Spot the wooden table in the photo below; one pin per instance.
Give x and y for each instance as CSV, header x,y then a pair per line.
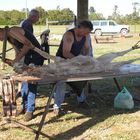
x,y
70,78
78,77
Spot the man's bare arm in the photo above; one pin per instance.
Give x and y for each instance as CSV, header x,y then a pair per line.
x,y
18,34
67,45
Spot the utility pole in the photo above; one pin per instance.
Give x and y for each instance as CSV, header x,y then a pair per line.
x,y
26,11
135,4
115,11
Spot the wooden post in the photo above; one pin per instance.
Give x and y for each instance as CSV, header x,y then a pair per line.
x,y
75,20
82,10
4,47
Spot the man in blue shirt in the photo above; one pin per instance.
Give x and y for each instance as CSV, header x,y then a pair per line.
x,y
28,90
23,43
32,19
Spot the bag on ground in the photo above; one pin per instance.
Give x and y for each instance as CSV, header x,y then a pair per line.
x,y
124,100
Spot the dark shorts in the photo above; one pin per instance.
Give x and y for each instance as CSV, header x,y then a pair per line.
x,y
77,86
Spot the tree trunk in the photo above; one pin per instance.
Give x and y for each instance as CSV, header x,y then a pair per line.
x,y
82,10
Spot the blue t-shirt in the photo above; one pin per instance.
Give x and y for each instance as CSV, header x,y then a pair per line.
x,y
31,56
26,24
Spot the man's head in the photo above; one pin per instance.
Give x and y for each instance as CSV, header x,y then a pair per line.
x,y
85,27
33,16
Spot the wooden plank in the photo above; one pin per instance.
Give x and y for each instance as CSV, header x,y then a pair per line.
x,y
4,48
26,78
72,78
104,39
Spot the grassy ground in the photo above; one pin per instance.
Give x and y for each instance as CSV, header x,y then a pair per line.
x,y
98,122
60,29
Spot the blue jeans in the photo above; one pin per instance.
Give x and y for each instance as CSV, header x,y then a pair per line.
x,y
59,95
28,93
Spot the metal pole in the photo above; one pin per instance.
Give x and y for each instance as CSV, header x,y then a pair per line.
x,y
26,10
117,84
47,23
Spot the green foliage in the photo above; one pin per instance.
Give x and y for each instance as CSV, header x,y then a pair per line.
x,y
133,18
11,17
130,19
42,14
63,16
14,17
95,16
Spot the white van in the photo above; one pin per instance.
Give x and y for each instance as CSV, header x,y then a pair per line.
x,y
101,27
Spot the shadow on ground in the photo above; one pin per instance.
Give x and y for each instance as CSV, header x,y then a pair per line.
x,y
101,106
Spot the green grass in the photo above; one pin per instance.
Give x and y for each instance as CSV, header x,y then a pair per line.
x,y
101,121
60,29
134,28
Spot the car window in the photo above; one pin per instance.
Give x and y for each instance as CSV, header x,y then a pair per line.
x,y
95,23
103,23
111,23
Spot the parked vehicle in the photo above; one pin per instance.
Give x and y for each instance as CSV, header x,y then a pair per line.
x,y
101,27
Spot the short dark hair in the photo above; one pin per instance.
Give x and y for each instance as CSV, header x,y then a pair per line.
x,y
86,24
34,12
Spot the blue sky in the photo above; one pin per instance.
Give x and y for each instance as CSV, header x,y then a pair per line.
x,y
101,6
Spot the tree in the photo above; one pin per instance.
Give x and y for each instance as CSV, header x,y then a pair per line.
x,y
91,10
115,11
13,17
135,4
58,7
96,16
135,13
115,15
42,15
63,16
66,15
93,15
